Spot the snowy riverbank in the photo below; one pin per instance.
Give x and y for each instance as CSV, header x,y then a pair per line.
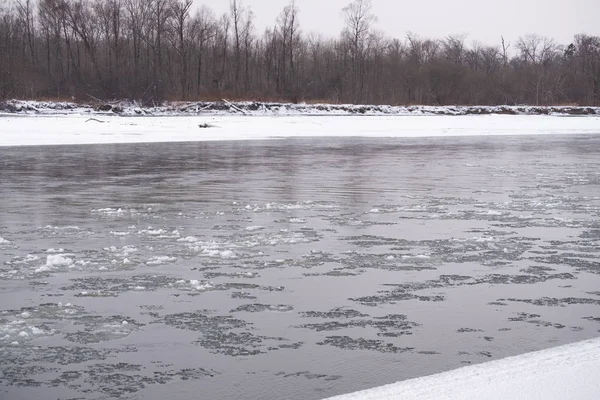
x,y
270,108
566,372
20,130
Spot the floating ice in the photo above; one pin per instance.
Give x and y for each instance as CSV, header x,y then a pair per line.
x,y
58,260
228,254
160,233
491,213
154,232
109,211
4,241
159,260
418,256
201,286
189,239
37,331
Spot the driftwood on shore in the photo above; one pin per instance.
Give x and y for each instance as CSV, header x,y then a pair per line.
x,y
125,107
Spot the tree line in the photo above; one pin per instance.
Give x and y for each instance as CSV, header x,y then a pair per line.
x,y
155,50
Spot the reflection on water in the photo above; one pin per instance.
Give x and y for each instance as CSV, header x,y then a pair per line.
x,y
289,269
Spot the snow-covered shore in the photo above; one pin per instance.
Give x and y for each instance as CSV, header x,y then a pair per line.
x,y
20,130
566,372
269,108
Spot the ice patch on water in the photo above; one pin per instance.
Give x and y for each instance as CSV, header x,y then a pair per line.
x,y
4,241
62,228
58,260
202,286
125,250
209,249
227,254
160,233
123,213
490,212
477,239
110,211
94,293
19,267
22,331
55,250
119,234
153,232
55,261
246,274
417,256
159,260
255,228
279,207
189,239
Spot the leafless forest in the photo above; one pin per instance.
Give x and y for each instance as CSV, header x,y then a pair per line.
x,y
154,50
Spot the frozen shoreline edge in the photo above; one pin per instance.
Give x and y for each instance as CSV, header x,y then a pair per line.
x,y
569,371
128,108
81,128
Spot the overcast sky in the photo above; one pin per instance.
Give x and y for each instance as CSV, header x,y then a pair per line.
x,y
483,21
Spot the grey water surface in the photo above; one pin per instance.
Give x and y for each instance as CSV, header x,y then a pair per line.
x,y
289,269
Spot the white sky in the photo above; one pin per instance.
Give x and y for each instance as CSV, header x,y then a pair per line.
x,y
483,21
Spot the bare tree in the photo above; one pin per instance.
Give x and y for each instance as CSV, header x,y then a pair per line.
x,y
288,32
359,19
537,53
157,49
137,21
25,15
204,28
182,29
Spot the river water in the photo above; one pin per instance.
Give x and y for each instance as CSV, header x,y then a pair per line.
x,y
285,269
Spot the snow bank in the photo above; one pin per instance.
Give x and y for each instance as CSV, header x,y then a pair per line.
x,y
271,108
77,129
567,372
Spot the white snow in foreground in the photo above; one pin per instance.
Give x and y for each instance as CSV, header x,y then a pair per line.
x,y
567,372
78,129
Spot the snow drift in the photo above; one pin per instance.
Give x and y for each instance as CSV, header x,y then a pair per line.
x,y
20,130
567,372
